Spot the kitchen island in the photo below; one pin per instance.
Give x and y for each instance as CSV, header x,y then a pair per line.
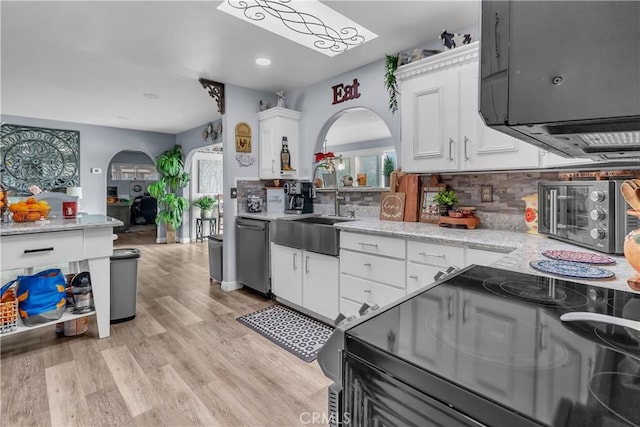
x,y
85,243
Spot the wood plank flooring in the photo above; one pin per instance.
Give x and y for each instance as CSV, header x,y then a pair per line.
x,y
184,360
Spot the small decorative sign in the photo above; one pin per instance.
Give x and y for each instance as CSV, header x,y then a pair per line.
x,y
275,199
429,211
342,92
392,206
243,138
245,160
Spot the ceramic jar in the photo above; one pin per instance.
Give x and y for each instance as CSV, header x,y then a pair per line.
x,y
531,213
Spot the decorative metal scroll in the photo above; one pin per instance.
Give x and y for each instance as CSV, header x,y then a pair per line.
x,y
336,40
48,158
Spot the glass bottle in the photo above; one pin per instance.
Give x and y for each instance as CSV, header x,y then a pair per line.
x,y
285,157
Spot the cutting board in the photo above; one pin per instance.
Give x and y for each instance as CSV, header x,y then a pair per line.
x,y
409,185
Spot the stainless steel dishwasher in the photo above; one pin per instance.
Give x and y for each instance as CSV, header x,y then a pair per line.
x,y
252,254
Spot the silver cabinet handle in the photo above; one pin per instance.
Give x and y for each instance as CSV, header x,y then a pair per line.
x,y
450,150
434,255
33,251
413,276
306,265
449,313
375,245
273,165
367,264
295,267
553,211
464,312
466,140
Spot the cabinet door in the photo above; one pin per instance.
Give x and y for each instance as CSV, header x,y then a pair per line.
x,y
429,106
269,154
482,256
482,147
320,289
274,124
286,273
419,276
493,341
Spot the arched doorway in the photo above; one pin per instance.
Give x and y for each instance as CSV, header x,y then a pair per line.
x,y
128,176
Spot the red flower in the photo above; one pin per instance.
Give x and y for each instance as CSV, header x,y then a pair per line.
x,y
321,156
530,215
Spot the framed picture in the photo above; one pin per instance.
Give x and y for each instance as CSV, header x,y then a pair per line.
x,y
428,208
243,138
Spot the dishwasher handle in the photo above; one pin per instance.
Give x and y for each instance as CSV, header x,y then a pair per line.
x,y
250,227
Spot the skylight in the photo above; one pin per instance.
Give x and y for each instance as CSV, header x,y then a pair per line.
x,y
306,22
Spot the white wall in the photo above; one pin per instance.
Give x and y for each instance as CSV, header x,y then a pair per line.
x,y
98,145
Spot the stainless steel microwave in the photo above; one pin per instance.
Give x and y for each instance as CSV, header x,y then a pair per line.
x,y
587,213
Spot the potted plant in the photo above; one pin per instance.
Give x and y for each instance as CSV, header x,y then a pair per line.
x,y
206,205
445,199
390,82
173,178
388,166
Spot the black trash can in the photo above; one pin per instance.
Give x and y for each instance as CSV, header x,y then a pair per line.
x,y
215,257
124,284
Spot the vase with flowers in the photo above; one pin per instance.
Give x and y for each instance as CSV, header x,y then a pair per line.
x,y
326,168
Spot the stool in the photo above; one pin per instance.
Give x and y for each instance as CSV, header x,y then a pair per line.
x,y
199,228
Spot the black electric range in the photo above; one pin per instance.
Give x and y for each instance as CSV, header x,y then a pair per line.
x,y
488,347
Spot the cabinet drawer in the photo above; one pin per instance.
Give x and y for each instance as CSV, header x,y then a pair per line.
x,y
361,291
30,250
349,308
386,270
483,256
435,254
379,245
420,275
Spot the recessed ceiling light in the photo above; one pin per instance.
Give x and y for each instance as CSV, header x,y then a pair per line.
x,y
150,95
306,22
263,61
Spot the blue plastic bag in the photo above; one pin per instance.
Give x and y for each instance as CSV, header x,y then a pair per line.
x,y
41,297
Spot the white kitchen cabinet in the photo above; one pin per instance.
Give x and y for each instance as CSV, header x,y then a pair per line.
x,y
320,289
286,273
426,259
372,270
482,256
275,123
441,127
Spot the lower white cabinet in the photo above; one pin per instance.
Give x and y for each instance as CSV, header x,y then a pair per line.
x,y
320,290
286,273
426,259
306,279
482,256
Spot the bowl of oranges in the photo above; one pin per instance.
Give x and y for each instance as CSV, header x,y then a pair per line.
x,y
30,210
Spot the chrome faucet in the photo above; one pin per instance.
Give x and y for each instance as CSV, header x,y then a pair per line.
x,y
338,197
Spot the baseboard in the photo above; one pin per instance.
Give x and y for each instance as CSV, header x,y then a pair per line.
x,y
184,240
161,240
230,286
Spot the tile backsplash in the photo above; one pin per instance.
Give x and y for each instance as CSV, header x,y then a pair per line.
x,y
504,212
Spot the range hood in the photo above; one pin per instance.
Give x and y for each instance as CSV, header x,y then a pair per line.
x,y
563,75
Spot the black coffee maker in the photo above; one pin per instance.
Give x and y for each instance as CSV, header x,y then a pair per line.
x,y
298,197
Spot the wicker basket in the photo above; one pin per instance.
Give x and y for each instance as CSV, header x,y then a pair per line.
x,y
9,316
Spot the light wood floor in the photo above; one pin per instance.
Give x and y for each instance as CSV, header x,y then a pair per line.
x,y
184,360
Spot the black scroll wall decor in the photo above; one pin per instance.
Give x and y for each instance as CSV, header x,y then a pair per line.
x,y
48,158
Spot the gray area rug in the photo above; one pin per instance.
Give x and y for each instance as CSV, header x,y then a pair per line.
x,y
291,330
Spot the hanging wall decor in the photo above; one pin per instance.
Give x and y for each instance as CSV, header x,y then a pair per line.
x,y
48,158
243,138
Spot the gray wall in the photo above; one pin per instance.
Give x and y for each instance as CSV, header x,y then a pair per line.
x,y
98,145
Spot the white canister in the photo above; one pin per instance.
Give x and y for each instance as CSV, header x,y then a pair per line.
x,y
275,200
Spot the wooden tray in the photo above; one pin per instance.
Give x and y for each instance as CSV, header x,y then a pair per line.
x,y
471,222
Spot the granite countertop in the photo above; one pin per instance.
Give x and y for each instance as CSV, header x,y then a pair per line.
x,y
58,224
519,248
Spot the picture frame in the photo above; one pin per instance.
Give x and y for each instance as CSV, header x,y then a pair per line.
x,y
429,211
243,138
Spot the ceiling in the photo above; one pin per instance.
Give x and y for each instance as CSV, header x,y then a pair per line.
x,y
93,61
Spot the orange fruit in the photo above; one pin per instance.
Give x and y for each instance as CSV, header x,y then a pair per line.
x,y
13,207
43,203
31,201
33,216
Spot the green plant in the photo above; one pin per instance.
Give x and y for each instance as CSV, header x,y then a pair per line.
x,y
390,82
388,166
446,198
171,205
206,203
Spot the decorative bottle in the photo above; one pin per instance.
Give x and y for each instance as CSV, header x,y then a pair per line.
x,y
285,157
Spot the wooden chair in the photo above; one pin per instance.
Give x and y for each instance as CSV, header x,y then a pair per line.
x,y
220,211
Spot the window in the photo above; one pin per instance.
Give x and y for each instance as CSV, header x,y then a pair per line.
x,y
133,172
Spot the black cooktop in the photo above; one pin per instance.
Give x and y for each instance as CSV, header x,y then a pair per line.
x,y
498,334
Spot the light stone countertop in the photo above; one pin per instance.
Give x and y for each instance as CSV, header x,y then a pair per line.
x,y
270,216
58,224
519,248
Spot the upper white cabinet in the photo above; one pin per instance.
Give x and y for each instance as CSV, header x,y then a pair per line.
x,y
274,124
441,127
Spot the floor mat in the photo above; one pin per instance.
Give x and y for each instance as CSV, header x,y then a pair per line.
x,y
291,330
